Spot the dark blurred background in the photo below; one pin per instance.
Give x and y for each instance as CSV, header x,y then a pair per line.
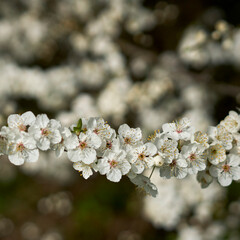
x,y
143,63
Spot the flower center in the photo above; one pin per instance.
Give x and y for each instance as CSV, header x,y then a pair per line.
x,y
45,132
113,163
84,130
82,145
214,151
96,130
141,156
20,147
226,168
173,163
22,127
192,157
235,123
179,131
127,140
163,149
109,144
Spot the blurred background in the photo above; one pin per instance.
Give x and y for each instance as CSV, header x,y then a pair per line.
x,y
138,62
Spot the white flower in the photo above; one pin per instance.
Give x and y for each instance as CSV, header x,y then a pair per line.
x,y
145,184
8,138
86,169
114,164
177,168
129,136
67,141
220,135
109,144
236,140
141,157
182,129
158,161
45,132
100,127
21,122
216,154
8,133
204,178
3,145
193,154
231,122
235,150
201,138
85,149
227,171
167,148
23,149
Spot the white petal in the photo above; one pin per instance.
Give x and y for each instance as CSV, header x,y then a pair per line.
x,y
92,123
88,155
42,121
173,135
103,166
185,151
151,149
235,171
87,172
28,118
212,132
59,151
56,137
71,142
182,163
233,160
123,129
214,171
29,142
54,124
225,179
201,165
66,132
181,173
185,122
94,141
114,175
136,134
124,167
35,131
131,174
33,155
77,166
149,161
184,135
74,155
43,144
16,159
14,120
138,167
169,127
165,171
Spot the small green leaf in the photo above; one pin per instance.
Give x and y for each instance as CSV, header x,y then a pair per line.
x,y
79,124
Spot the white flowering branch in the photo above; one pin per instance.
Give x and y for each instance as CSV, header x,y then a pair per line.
x,y
92,145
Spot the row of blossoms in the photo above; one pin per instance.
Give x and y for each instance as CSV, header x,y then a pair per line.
x,y
93,146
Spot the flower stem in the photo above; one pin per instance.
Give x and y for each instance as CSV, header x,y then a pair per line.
x,y
152,173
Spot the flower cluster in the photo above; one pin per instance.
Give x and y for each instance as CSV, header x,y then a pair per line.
x,y
92,145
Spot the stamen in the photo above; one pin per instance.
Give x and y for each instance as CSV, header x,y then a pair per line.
x,y
82,145
45,132
113,163
20,147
